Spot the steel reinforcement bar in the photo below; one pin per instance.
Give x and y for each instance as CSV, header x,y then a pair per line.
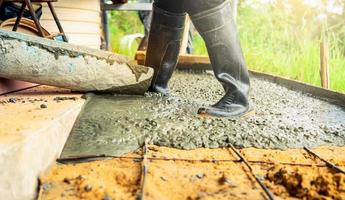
x,y
144,170
269,194
328,163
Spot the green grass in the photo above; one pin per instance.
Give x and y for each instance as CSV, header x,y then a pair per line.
x,y
273,41
288,49
121,24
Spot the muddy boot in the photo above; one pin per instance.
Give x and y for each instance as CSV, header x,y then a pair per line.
x,y
217,27
163,47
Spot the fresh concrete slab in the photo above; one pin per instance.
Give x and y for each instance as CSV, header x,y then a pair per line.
x,y
113,125
34,126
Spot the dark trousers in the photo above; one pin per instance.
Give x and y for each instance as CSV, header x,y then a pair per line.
x,y
189,6
146,17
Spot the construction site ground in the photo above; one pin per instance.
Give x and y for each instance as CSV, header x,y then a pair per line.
x,y
27,149
285,119
200,174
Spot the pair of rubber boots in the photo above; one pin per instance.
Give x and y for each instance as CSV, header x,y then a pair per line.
x,y
216,26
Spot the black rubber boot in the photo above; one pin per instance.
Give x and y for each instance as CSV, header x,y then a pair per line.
x,y
164,46
217,27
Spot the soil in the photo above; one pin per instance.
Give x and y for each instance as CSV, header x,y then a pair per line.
x,y
114,125
333,154
199,174
293,156
198,180
30,100
112,179
294,173
306,183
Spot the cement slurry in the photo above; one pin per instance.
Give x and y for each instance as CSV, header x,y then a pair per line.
x,y
113,125
49,62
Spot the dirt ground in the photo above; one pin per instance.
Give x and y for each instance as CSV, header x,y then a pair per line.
x,y
200,174
106,179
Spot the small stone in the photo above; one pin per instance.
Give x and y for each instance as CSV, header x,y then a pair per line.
x,y
87,188
46,186
12,100
107,197
202,195
223,180
163,178
153,123
81,177
261,178
43,106
66,180
200,176
66,98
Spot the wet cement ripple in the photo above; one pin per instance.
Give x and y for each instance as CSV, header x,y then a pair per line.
x,y
113,125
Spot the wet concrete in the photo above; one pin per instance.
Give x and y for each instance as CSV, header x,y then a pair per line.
x,y
63,65
113,125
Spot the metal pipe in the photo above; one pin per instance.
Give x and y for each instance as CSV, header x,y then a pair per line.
x,y
105,28
19,17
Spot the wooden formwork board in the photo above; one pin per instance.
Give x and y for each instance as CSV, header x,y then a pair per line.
x,y
8,85
193,62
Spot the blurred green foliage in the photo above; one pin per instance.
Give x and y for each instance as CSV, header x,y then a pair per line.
x,y
120,25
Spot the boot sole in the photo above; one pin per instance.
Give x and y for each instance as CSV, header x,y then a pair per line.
x,y
249,113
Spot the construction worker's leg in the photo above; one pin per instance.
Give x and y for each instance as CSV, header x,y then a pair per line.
x,y
190,48
164,44
214,21
145,17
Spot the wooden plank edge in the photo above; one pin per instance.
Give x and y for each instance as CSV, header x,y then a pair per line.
x,y
8,86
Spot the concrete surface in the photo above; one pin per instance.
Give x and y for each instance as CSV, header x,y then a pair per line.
x,y
113,125
34,126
